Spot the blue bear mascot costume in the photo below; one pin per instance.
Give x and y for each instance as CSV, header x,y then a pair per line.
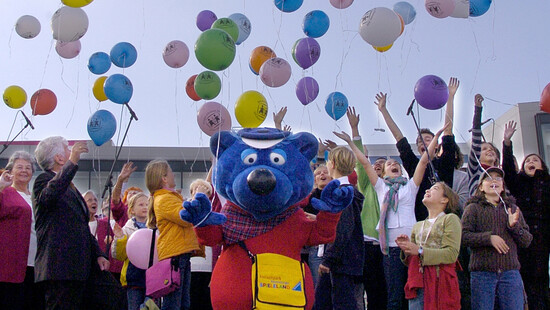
x,y
263,173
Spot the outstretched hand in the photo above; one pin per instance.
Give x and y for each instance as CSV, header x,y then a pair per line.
x,y
381,101
343,135
509,130
278,117
329,144
334,198
353,118
199,212
126,171
478,100
453,86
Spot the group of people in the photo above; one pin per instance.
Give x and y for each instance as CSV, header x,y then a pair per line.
x,y
435,237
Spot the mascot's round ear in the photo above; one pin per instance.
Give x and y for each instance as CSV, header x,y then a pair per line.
x,y
306,143
221,141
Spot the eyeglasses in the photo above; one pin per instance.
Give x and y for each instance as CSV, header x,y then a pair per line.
x,y
498,179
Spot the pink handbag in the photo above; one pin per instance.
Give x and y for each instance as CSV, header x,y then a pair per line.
x,y
162,278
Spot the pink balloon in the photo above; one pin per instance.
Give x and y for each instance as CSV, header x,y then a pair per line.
x,y
139,246
341,4
440,8
68,50
275,72
176,54
213,117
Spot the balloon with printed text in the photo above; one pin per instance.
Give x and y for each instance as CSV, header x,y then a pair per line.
x,y
245,27
118,88
307,89
275,72
258,56
123,54
213,117
336,105
431,92
176,54
215,49
306,52
205,19
405,10
227,25
27,26
251,109
99,63
15,97
315,24
207,85
68,50
101,126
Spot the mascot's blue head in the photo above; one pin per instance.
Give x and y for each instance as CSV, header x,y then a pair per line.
x,y
263,170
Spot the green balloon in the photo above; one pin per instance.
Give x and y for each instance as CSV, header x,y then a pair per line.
x,y
208,85
215,49
227,25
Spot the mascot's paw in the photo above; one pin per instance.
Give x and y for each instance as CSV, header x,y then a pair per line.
x,y
199,212
333,198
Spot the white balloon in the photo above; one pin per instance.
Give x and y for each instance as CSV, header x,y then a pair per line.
x,y
380,26
244,26
68,50
69,24
462,9
27,27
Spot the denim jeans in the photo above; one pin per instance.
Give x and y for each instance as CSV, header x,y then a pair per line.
x,y
506,285
418,302
395,273
337,291
135,296
180,298
313,262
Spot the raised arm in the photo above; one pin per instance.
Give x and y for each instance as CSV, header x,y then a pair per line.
x,y
423,163
475,148
278,118
123,177
381,103
508,165
449,109
353,120
362,158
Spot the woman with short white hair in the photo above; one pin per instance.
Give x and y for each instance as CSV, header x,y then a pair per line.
x,y
18,246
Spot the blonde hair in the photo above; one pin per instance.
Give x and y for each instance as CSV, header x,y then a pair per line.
x,y
154,172
343,160
132,201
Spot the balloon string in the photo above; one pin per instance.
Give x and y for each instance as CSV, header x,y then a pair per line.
x,y
9,40
12,126
478,53
46,65
176,105
76,95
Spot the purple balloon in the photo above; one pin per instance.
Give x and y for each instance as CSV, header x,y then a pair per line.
x,y
205,19
431,92
307,90
307,52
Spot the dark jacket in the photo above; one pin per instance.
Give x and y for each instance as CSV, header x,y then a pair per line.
x,y
481,220
532,194
346,254
444,167
66,248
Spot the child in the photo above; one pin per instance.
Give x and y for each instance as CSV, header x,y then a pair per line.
x,y
432,251
340,272
131,276
493,227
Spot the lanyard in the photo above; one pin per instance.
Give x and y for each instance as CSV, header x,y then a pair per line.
x,y
429,230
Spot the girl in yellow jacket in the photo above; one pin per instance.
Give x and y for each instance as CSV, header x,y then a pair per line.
x,y
177,239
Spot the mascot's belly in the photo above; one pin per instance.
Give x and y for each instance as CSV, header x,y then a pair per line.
x,y
231,287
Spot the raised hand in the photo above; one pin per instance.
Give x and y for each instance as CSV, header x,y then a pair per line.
x,y
6,179
199,212
117,231
287,128
77,149
478,100
353,118
381,101
126,171
513,218
344,136
278,117
333,197
329,144
509,130
499,244
453,86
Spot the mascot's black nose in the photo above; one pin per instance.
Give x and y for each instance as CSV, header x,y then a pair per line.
x,y
261,181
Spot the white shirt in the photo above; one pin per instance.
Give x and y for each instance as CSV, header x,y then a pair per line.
x,y
32,242
202,264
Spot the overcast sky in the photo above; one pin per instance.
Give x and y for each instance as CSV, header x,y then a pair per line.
x,y
503,55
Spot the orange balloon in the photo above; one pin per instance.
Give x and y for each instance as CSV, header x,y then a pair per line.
x,y
43,102
190,88
402,24
258,56
545,99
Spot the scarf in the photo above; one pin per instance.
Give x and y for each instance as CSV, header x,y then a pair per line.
x,y
241,225
391,201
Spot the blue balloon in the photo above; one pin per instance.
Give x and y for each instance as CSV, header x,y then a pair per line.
x,y
315,24
101,126
288,5
244,26
405,10
118,88
123,55
99,63
479,7
336,105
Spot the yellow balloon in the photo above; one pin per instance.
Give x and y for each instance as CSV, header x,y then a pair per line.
x,y
15,97
76,3
98,91
382,49
251,109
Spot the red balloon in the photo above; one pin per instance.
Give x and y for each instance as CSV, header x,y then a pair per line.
x,y
190,88
545,99
43,102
